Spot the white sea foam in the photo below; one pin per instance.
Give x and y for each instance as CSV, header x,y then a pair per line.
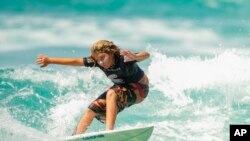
x,y
11,130
69,78
175,75
63,115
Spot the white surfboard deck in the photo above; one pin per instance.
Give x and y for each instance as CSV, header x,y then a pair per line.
x,y
132,134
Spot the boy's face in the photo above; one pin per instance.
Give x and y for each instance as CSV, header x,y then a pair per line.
x,y
105,60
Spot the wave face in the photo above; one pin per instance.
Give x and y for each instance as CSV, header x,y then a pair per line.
x,y
188,96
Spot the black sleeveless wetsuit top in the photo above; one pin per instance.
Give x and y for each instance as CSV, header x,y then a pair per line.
x,y
121,73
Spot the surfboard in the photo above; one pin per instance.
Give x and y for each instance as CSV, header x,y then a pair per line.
x,y
132,134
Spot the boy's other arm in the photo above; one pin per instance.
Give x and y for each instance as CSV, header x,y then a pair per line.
x,y
132,56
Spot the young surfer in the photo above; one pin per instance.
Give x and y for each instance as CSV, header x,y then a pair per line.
x,y
130,82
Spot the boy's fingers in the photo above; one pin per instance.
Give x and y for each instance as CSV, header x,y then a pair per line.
x,y
39,60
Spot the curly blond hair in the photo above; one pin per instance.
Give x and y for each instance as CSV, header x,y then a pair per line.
x,y
104,46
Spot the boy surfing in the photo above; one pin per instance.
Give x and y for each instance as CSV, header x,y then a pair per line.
x,y
131,84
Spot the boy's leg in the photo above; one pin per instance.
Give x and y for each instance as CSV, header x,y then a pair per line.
x,y
111,112
85,121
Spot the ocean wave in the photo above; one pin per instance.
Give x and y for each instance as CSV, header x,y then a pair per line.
x,y
188,96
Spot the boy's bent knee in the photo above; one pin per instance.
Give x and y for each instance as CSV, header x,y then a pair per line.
x,y
111,94
90,111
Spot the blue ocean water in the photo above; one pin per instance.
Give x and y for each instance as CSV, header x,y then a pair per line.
x,y
199,66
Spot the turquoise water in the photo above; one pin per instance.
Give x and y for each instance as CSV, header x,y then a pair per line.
x,y
199,66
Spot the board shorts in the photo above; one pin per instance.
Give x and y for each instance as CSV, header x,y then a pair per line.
x,y
126,97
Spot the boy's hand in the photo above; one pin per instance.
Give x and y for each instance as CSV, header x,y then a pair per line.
x,y
128,55
42,60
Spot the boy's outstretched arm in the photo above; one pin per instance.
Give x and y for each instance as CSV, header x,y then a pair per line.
x,y
43,61
134,57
